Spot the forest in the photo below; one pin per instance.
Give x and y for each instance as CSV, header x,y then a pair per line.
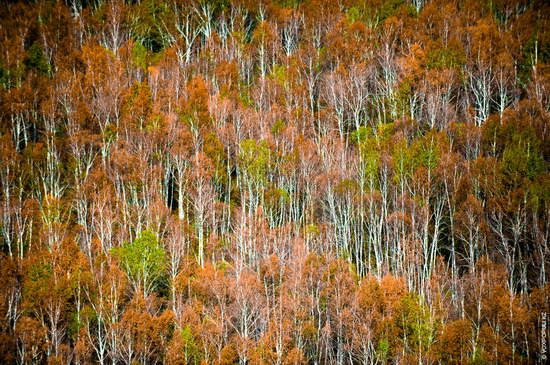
x,y
287,182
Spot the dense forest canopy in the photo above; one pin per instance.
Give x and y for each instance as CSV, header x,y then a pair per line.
x,y
274,182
